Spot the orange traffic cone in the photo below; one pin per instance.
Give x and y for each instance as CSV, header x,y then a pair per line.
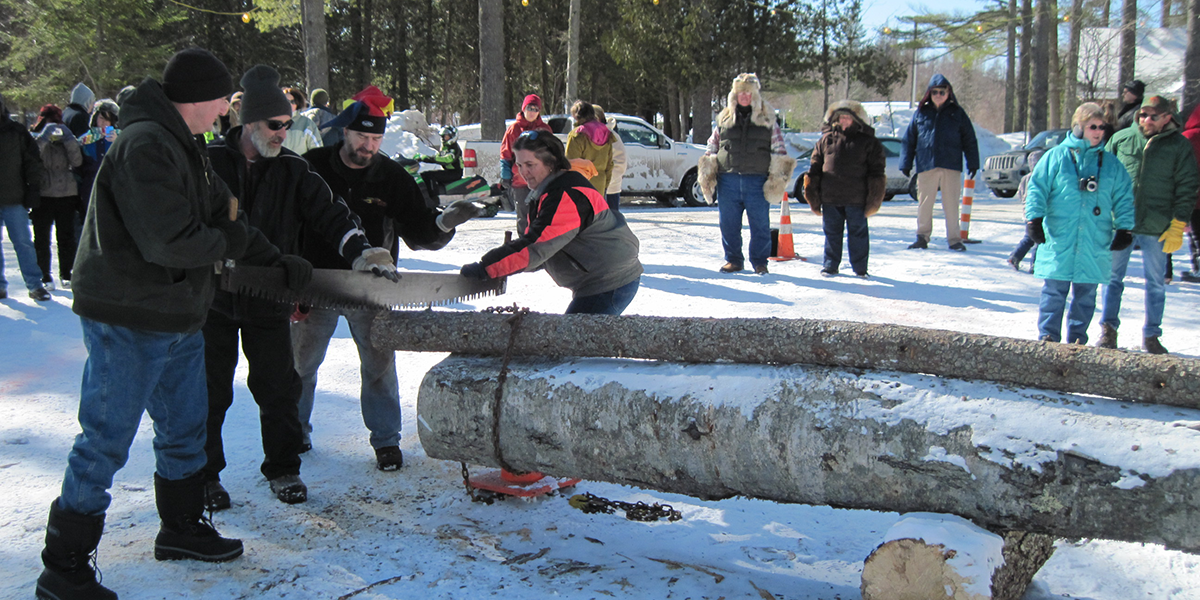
x,y
785,251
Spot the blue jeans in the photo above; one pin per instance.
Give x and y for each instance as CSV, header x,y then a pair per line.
x,y
737,194
1054,300
613,302
1154,266
379,394
128,372
853,220
1023,247
16,220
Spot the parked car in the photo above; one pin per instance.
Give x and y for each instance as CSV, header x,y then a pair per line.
x,y
1003,172
897,183
658,166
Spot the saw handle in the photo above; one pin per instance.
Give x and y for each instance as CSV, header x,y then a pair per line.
x,y
233,208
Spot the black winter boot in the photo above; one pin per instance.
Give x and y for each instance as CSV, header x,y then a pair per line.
x,y
71,540
186,533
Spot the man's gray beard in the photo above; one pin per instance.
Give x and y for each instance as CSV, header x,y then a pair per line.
x,y
262,143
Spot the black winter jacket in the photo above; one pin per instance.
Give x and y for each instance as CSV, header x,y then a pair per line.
x,y
387,201
151,235
847,169
20,165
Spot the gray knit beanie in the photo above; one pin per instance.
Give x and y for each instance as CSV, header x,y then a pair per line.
x,y
262,98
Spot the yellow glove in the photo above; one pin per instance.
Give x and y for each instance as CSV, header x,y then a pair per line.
x,y
1172,238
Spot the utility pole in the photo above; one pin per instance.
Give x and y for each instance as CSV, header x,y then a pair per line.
x,y
913,100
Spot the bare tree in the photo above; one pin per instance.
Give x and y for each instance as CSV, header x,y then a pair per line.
x,y
1010,68
573,53
1128,42
316,54
491,69
1024,74
1054,87
1191,61
1072,73
1038,92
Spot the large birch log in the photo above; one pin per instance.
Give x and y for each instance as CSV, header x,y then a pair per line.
x,y
1006,460
1061,367
928,556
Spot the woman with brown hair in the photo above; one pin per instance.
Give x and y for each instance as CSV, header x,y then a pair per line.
x,y
591,140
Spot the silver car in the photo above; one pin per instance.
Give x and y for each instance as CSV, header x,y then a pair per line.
x,y
1003,172
897,183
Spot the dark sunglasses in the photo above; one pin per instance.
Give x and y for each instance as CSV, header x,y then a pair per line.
x,y
937,92
274,125
1151,116
1094,127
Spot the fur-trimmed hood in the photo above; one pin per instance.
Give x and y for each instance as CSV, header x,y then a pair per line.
x,y
761,113
852,107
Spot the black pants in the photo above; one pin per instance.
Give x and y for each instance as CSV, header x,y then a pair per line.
x,y
58,213
1194,242
267,343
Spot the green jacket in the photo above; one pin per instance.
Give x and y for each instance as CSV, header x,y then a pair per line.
x,y
151,235
1164,173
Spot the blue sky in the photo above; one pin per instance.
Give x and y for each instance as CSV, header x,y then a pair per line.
x,y
880,11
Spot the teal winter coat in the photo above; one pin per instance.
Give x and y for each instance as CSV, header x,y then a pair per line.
x,y
1078,239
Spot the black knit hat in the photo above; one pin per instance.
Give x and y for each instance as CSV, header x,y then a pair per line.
x,y
1136,86
195,75
263,99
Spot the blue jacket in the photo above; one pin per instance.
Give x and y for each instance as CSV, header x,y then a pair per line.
x,y
939,138
1077,239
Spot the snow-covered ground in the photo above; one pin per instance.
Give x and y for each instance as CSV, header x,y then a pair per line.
x,y
416,529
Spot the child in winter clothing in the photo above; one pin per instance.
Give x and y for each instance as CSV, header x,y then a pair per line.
x,y
1026,244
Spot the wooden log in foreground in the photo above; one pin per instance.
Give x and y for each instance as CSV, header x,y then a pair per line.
x,y
1062,367
815,435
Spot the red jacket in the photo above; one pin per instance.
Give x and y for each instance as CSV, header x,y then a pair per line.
x,y
1191,131
510,137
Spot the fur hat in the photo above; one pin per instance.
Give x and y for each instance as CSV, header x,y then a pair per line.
x,y
849,107
761,113
195,75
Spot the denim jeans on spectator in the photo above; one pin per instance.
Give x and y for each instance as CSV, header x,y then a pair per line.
x,y
613,302
737,194
15,219
1054,301
128,372
379,394
614,202
852,222
1154,264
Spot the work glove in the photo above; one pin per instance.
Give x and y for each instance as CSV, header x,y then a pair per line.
x,y
299,271
907,173
1034,230
236,238
474,271
1172,238
457,213
1121,241
378,261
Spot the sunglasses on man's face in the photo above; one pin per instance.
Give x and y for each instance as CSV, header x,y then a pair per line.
x,y
274,125
1152,117
938,92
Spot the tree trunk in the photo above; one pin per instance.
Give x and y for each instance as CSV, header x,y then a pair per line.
x,y
573,53
1191,62
671,119
1166,13
1106,12
811,435
1010,68
930,556
368,19
491,69
1128,43
702,113
1131,376
1072,74
400,56
316,54
1023,77
1054,87
1038,97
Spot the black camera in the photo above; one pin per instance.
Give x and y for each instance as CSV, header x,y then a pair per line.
x,y
1088,184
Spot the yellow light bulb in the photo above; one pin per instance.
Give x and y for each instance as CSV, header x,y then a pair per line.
x,y
656,2
245,17
524,2
979,28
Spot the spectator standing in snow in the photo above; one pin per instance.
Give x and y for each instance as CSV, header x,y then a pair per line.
x,y
96,142
20,190
939,136
1166,181
61,155
143,282
303,135
1026,244
529,119
746,165
390,206
48,115
78,113
591,140
1131,100
846,183
613,193
1079,208
281,196
583,245
1191,131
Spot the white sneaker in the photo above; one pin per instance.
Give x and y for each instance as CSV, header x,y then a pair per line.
x,y
49,285
66,284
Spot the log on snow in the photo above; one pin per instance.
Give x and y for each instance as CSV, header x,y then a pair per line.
x,y
821,436
934,557
1062,367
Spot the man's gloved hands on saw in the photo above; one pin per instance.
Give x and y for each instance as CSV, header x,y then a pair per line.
x,y
457,213
378,261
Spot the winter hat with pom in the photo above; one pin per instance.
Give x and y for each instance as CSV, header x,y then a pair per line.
x,y
262,98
